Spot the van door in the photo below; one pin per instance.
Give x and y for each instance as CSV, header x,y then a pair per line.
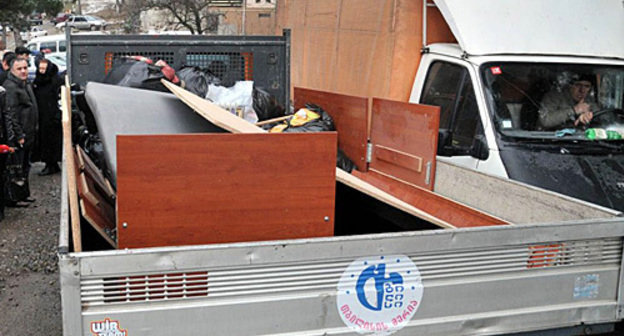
x,y
461,140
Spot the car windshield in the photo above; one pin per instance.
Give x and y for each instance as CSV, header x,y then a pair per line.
x,y
537,100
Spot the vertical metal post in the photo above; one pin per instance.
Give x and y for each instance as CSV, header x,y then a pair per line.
x,y
286,34
69,271
244,31
619,313
424,24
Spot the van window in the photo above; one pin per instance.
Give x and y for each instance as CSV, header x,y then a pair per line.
x,y
32,46
62,46
48,45
441,89
466,118
449,86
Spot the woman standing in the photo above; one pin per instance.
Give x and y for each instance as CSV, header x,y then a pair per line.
x,y
47,87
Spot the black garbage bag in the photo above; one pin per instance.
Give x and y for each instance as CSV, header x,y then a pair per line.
x,y
196,80
266,105
136,74
92,146
323,124
16,187
343,162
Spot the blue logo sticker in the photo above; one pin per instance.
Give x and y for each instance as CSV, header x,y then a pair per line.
x,y
379,294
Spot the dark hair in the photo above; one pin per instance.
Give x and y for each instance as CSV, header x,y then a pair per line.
x,y
16,60
582,77
8,56
22,50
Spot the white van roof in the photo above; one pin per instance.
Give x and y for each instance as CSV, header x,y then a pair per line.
x,y
57,37
539,27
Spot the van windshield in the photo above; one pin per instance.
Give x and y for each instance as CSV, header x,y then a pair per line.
x,y
556,101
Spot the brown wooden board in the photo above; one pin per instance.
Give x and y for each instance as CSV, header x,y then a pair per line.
x,y
350,114
404,137
218,116
87,166
456,214
217,188
98,213
70,167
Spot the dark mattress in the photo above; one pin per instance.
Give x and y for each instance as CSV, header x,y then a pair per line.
x,y
122,110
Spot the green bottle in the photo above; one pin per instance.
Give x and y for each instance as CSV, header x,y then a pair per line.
x,y
614,135
595,134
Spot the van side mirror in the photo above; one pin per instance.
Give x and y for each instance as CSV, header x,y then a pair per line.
x,y
479,148
445,147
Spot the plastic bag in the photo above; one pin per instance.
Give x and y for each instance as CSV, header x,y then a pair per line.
x,y
195,80
343,162
265,105
234,99
136,74
324,123
16,187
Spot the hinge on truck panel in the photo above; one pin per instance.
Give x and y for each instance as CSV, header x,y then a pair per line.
x,y
428,173
369,152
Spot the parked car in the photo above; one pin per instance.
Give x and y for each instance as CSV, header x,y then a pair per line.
x,y
83,22
60,17
34,32
36,19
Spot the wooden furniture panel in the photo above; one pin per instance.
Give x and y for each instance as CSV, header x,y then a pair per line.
x,y
227,121
405,140
218,188
96,208
350,114
456,214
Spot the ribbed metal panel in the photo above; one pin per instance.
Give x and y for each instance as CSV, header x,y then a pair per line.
x,y
312,277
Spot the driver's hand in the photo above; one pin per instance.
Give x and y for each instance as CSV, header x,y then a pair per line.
x,y
582,107
585,118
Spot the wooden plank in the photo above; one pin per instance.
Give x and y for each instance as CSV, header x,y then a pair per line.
x,y
454,213
89,192
94,217
87,166
218,188
70,162
405,141
215,113
398,158
95,211
350,114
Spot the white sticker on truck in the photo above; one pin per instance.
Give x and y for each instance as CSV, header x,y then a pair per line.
x,y
379,295
107,327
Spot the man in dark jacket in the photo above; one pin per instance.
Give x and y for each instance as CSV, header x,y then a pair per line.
x,y
6,68
22,104
9,131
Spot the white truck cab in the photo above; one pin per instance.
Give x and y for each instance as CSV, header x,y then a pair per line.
x,y
492,83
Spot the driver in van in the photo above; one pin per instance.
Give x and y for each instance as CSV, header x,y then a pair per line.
x,y
569,107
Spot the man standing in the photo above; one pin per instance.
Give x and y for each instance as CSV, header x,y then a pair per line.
x,y
6,60
22,104
22,52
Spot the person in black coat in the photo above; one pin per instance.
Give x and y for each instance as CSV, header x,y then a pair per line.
x,y
9,133
22,104
47,86
6,60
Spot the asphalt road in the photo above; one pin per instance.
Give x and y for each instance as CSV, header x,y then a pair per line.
x,y
30,302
